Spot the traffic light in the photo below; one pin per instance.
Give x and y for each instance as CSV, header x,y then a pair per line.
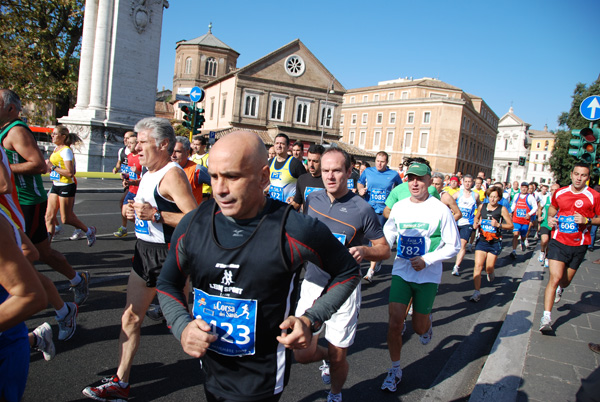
x,y
188,116
522,160
198,119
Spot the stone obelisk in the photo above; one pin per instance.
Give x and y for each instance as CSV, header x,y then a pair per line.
x,y
118,74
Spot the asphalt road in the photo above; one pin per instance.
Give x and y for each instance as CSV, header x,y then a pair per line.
x,y
446,369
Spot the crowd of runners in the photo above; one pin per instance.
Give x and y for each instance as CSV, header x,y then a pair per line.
x,y
199,216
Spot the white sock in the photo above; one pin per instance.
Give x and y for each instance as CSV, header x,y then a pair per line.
x,y
396,365
62,313
547,314
76,280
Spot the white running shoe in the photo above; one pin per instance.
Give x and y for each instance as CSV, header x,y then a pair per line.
x,y
77,234
410,310
67,326
334,397
526,242
546,263
426,337
455,271
476,296
43,341
325,373
369,276
559,292
491,277
541,257
545,324
91,238
393,378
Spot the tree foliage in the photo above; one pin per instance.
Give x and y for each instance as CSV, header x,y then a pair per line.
x,y
561,163
39,50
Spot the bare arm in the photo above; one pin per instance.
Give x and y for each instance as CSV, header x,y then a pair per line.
x,y
176,187
20,140
5,180
451,203
508,224
378,251
20,280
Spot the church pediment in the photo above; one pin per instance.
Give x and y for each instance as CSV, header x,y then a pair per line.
x,y
292,64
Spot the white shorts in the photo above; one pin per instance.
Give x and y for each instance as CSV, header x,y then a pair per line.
x,y
340,329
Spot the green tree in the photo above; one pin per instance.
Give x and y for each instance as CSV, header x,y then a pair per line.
x,y
561,163
39,50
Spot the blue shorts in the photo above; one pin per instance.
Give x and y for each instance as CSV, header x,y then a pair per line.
x,y
521,228
129,196
14,367
465,232
487,247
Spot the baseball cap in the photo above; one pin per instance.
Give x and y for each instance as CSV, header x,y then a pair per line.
x,y
418,169
454,178
524,184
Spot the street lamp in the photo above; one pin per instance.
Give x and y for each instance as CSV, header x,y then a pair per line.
x,y
326,110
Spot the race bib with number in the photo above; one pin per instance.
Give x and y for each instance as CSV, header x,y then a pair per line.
x,y
466,212
378,194
566,224
141,226
486,226
350,184
309,190
232,320
521,213
124,169
54,176
340,237
276,193
411,246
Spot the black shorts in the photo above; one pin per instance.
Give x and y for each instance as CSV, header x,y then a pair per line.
x,y
544,231
465,232
148,260
572,256
68,190
35,221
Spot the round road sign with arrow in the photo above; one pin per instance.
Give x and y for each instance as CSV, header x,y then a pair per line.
x,y
590,108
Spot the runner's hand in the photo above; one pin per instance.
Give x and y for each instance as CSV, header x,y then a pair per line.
x,y
197,337
418,263
300,337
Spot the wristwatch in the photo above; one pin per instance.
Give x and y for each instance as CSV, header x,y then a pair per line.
x,y
315,325
157,216
53,168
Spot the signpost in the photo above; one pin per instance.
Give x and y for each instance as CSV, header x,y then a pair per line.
x,y
590,108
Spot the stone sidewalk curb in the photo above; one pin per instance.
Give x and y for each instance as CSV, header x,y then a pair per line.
x,y
501,375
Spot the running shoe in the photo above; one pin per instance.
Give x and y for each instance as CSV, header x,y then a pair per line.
x,y
513,254
545,324
369,276
82,290
476,296
536,237
77,234
325,373
393,378
121,232
594,347
91,238
334,397
426,337
559,292
67,326
491,277
455,271
546,263
155,313
541,257
109,391
43,341
57,230
523,245
410,310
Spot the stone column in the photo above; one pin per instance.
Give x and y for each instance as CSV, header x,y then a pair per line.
x,y
87,54
102,52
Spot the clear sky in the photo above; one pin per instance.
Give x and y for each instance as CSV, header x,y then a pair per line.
x,y
528,54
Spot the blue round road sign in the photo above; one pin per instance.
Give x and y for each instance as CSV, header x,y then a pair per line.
x,y
590,108
197,94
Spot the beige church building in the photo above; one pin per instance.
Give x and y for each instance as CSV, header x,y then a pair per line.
x,y
426,117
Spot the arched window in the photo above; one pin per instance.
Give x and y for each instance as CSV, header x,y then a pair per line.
x,y
276,109
188,65
211,67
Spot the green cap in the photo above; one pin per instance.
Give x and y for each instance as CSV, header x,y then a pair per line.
x,y
418,169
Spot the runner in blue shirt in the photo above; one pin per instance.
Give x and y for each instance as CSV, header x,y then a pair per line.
x,y
374,185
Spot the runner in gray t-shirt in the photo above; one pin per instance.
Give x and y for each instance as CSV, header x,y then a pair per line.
x,y
353,222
